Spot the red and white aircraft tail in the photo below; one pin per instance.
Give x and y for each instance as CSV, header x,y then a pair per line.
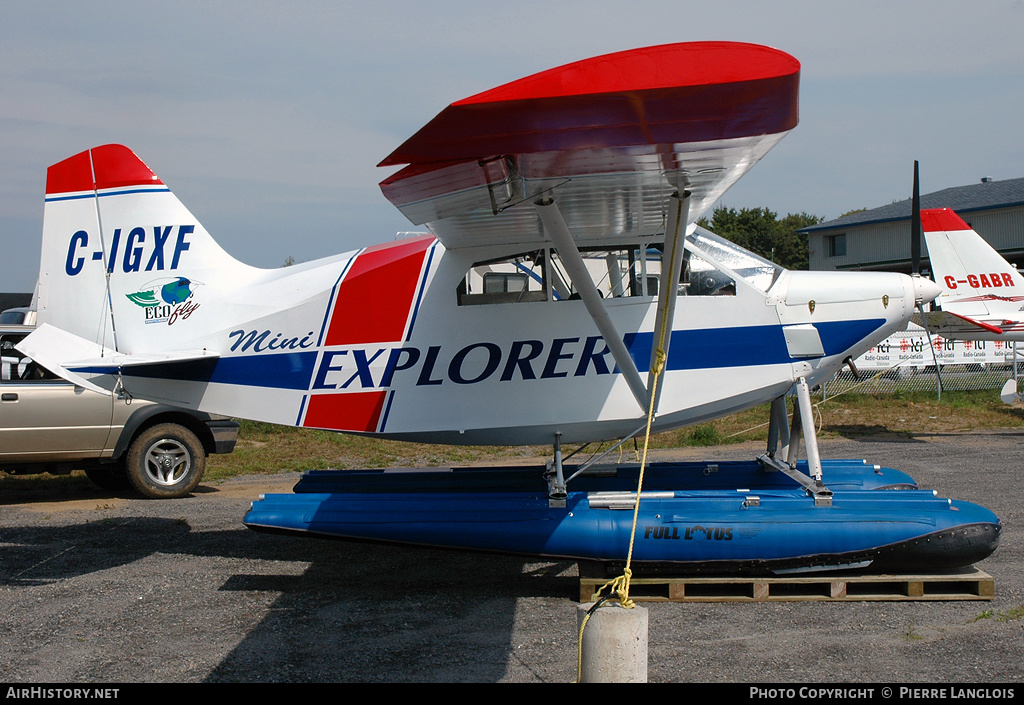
x,y
126,270
982,293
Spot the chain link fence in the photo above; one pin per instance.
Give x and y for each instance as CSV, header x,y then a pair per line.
x,y
905,363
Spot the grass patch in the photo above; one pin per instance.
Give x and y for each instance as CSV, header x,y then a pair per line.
x,y
1009,615
265,448
917,412
910,634
70,484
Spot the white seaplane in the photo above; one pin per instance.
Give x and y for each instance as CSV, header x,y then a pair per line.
x,y
982,295
497,327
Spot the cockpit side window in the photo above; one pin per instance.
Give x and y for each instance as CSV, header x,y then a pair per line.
x,y
508,280
701,278
616,272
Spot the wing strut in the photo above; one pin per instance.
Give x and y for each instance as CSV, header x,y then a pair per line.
x,y
675,240
675,236
558,231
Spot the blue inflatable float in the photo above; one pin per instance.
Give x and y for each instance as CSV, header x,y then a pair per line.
x,y
714,518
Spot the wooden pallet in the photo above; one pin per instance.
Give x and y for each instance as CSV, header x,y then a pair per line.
x,y
969,584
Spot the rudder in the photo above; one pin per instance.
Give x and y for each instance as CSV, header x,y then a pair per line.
x,y
969,270
120,252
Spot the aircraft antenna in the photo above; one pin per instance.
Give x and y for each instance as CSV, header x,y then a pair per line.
x,y
915,224
915,263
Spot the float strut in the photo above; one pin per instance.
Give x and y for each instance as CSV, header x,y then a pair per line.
x,y
803,421
556,486
793,451
778,428
803,395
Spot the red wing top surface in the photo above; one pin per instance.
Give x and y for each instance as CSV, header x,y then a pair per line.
x,y
610,138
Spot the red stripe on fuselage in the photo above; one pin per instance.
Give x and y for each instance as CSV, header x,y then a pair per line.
x,y
375,298
345,412
373,305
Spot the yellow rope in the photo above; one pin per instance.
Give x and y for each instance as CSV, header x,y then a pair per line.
x,y
620,585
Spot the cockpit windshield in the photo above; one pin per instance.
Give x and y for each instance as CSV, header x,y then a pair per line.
x,y
755,270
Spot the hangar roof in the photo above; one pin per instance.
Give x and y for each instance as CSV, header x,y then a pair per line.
x,y
962,199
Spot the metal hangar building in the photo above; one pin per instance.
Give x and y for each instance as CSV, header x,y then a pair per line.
x,y
879,239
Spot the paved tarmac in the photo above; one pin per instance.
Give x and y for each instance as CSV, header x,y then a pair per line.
x,y
104,589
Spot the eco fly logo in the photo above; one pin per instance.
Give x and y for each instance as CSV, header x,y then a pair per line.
x,y
166,300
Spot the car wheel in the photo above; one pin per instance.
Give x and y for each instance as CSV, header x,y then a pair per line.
x,y
165,461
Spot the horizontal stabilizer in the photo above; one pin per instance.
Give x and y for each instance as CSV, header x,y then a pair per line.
x,y
82,361
52,347
948,324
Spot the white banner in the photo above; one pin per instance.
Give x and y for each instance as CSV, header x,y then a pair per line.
x,y
910,347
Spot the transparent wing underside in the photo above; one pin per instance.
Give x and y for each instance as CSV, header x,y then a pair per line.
x,y
610,139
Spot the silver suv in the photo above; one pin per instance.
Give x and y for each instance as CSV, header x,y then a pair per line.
x,y
50,425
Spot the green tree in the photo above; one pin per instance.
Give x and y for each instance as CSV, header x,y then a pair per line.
x,y
762,232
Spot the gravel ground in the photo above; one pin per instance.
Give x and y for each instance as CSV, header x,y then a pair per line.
x,y
105,589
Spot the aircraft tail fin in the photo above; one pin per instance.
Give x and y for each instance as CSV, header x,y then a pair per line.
x,y
122,259
975,279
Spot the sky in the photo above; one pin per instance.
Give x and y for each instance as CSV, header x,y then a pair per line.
x,y
267,119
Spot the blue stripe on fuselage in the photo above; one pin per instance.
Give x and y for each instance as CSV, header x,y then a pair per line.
x,y
275,371
709,348
744,346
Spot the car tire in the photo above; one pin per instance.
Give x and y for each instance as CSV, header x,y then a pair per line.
x,y
165,461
